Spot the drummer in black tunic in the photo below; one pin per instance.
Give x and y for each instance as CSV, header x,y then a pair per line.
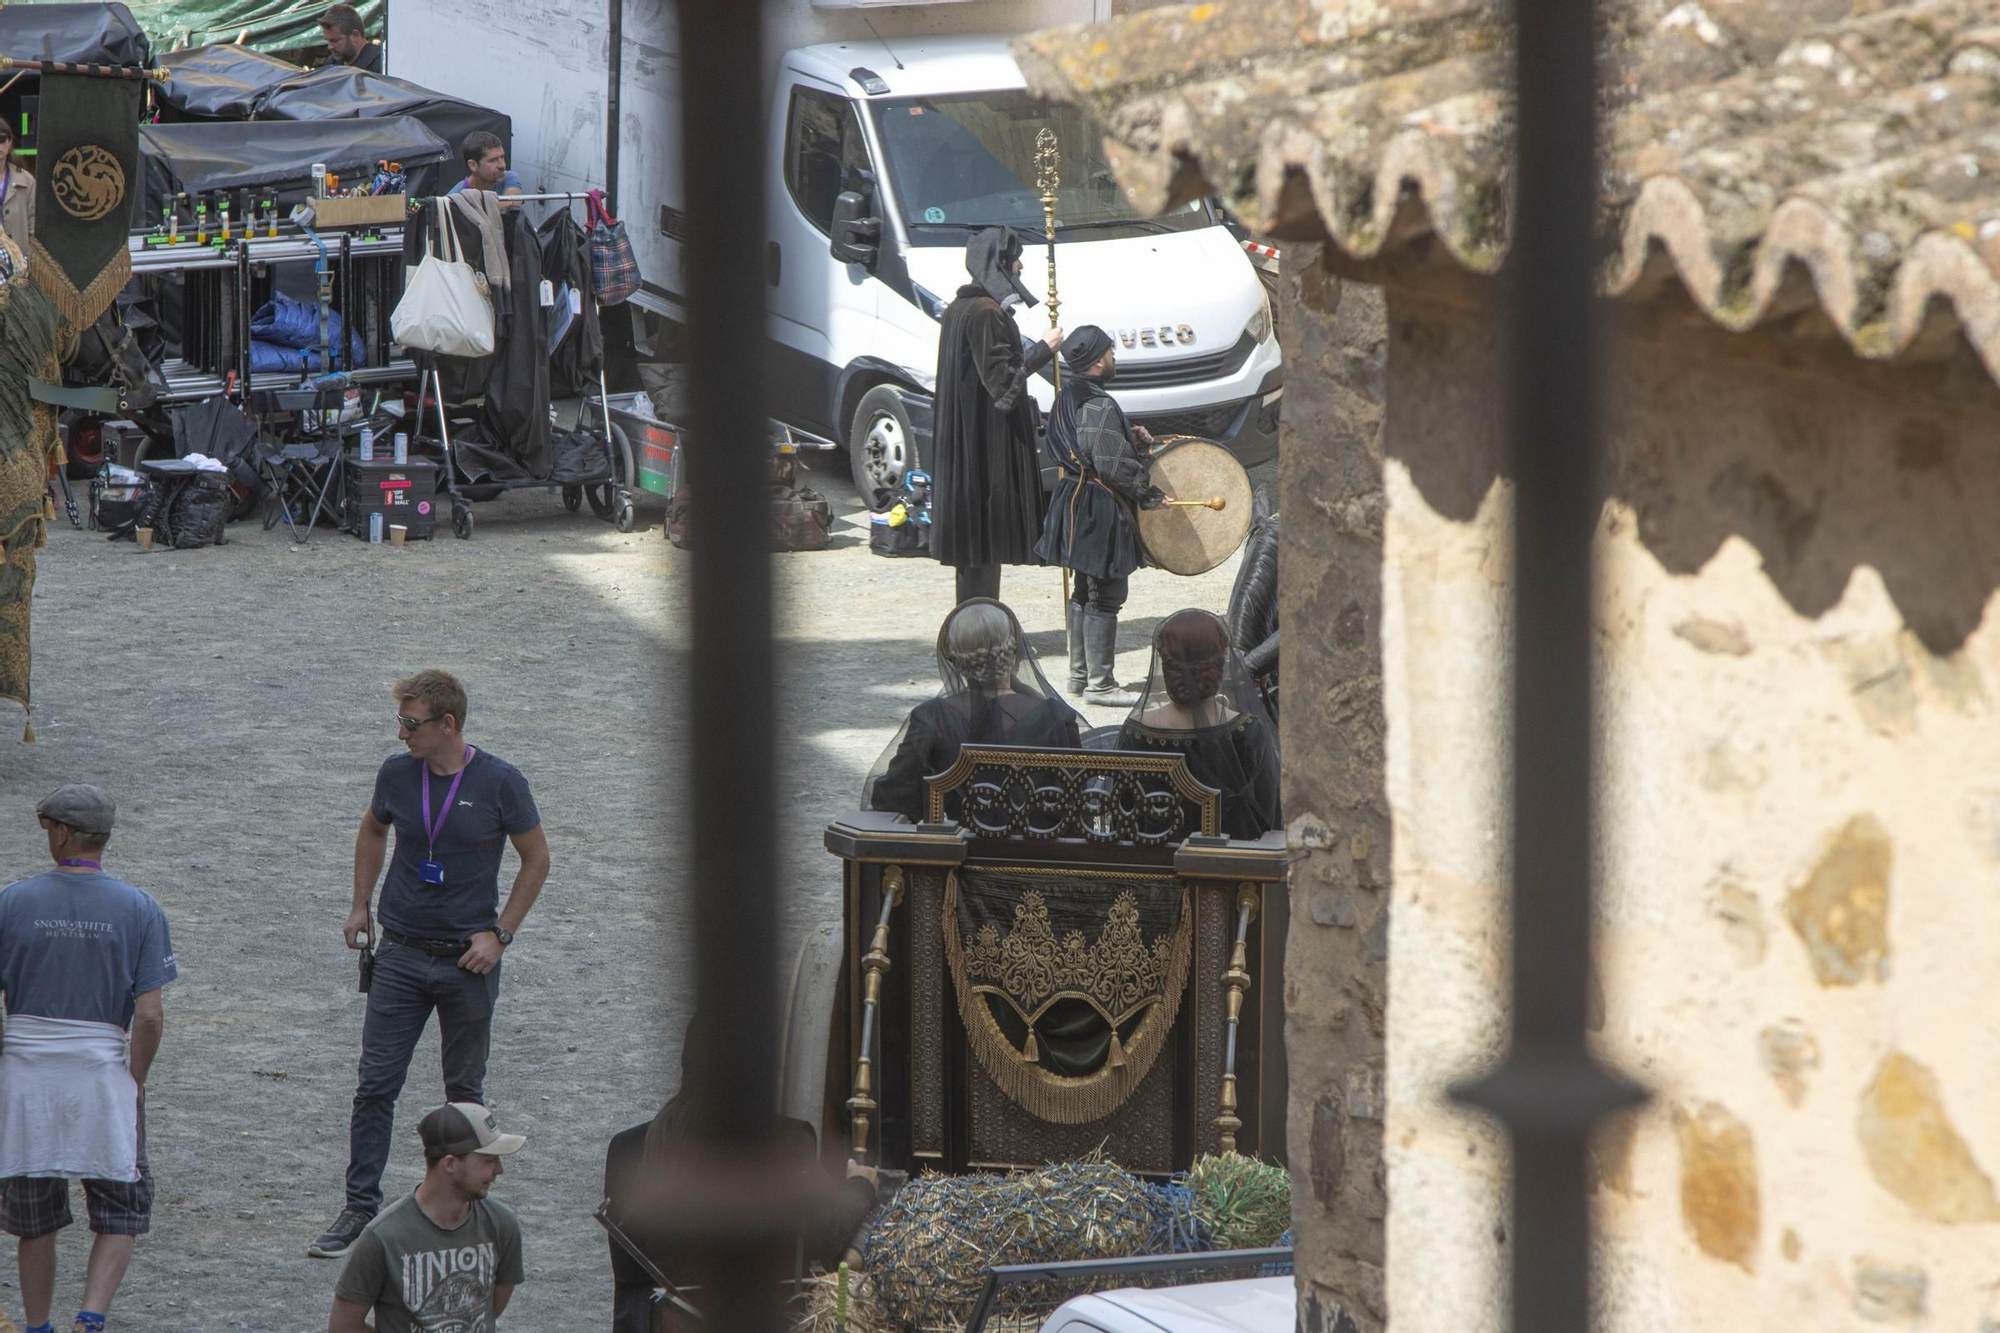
x,y
987,505
1092,526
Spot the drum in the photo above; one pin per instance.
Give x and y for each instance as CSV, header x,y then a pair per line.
x,y
1212,516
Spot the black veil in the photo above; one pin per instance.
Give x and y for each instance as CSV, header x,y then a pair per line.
x,y
992,692
1202,700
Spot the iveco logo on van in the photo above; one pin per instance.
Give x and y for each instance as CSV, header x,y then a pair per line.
x,y
1166,335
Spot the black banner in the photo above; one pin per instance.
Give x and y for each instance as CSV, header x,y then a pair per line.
x,y
86,168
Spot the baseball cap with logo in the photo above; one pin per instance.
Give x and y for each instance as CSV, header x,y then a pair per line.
x,y
462,1128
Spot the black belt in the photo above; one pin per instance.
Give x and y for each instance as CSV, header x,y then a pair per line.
x,y
435,948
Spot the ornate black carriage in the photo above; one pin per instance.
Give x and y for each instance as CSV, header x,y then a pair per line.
x,y
1064,957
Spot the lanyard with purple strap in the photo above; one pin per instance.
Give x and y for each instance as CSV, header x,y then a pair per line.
x,y
431,870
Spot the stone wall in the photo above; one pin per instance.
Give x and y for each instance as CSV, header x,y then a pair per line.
x,y
1330,600
1799,912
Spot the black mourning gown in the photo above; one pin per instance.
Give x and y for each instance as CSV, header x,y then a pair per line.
x,y
938,727
1239,758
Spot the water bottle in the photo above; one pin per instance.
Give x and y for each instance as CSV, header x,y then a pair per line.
x,y
402,448
375,529
367,445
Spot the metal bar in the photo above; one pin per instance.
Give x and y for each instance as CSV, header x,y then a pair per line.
x,y
614,91
1550,1093
729,782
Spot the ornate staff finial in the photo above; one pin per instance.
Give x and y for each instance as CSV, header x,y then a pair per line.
x,y
1048,176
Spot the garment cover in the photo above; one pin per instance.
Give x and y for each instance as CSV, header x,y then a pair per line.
x,y
972,707
987,479
1207,706
68,1105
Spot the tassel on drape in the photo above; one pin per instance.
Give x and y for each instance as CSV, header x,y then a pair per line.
x,y
1116,1059
1031,1052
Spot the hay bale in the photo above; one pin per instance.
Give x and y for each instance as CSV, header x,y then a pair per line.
x,y
929,1250
1242,1203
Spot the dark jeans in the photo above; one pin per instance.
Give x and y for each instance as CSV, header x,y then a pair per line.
x,y
409,984
978,581
1102,595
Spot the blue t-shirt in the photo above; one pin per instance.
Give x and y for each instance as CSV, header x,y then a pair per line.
x,y
508,181
81,946
492,805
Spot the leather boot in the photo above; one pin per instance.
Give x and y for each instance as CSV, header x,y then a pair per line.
x,y
1077,669
1100,651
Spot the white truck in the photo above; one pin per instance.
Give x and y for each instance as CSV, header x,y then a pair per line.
x,y
1247,1305
894,133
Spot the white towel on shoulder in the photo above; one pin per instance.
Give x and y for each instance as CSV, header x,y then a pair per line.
x,y
68,1105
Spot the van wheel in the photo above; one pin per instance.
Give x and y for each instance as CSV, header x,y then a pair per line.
x,y
880,445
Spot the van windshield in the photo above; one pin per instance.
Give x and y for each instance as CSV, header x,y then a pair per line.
x,y
968,160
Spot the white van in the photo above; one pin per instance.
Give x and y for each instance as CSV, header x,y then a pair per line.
x,y
887,167
932,135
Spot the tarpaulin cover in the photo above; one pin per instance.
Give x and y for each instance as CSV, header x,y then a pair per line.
x,y
218,82
81,34
283,322
277,156
342,92
269,25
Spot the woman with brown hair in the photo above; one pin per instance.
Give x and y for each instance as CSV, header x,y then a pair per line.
x,y
17,190
1202,701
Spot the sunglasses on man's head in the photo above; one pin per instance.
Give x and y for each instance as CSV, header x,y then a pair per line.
x,y
412,723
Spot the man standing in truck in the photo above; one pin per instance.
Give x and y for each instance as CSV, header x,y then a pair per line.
x,y
986,509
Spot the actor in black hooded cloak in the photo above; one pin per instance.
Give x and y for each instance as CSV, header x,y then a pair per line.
x,y
986,479
1093,526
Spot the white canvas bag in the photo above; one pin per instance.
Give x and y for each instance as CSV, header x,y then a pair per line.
x,y
445,307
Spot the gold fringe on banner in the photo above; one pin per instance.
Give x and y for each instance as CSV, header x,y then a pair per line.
x,y
78,309
1054,1097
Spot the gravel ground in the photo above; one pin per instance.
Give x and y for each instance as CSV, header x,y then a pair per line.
x,y
235,702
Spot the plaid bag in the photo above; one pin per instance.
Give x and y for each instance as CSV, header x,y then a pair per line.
x,y
614,272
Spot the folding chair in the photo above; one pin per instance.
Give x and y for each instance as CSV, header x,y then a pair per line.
x,y
304,477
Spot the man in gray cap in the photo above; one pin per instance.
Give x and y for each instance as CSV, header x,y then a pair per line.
x,y
83,957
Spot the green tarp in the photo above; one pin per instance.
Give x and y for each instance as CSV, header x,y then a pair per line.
x,y
270,25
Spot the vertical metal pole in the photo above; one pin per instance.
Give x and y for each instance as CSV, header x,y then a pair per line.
x,y
614,92
1551,1093
729,782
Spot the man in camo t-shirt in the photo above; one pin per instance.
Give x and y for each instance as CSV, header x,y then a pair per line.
x,y
443,1258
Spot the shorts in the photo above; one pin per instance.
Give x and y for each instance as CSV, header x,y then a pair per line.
x,y
35,1206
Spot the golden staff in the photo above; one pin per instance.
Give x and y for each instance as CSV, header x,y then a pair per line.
x,y
1048,176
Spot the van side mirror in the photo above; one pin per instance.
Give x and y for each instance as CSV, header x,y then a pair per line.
x,y
855,235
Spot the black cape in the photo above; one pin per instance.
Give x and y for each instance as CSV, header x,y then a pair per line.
x,y
986,479
1239,758
938,727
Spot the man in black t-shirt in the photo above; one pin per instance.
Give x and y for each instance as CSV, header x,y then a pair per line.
x,y
441,929
347,41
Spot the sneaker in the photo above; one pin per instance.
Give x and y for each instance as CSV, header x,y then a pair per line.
x,y
346,1229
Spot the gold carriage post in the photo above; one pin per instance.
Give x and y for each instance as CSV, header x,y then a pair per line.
x,y
861,1106
1236,981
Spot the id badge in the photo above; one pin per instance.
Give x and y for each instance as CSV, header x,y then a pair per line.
x,y
431,872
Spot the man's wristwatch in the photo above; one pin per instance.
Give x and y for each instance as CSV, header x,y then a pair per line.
x,y
504,935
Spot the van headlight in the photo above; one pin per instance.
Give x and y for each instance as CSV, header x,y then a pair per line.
x,y
1259,327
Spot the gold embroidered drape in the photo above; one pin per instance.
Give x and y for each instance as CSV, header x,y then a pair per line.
x,y
1098,963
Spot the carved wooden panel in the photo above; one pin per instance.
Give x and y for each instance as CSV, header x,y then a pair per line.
x,y
1214,922
927,1012
1104,798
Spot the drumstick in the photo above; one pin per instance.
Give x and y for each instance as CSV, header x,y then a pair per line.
x,y
1218,502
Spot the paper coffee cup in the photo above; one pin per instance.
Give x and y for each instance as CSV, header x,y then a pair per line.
x,y
397,532
145,536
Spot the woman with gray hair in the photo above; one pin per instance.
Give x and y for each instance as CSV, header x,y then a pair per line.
x,y
993,693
